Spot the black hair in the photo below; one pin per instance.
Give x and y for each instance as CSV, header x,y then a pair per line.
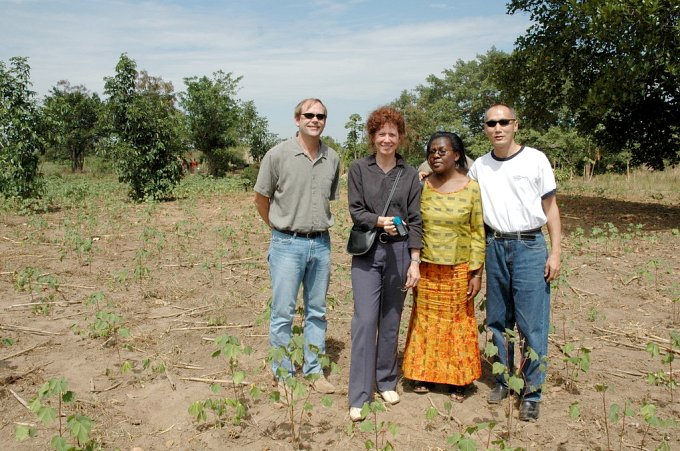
x,y
456,144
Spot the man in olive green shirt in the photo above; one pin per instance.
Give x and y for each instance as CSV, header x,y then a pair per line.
x,y
297,180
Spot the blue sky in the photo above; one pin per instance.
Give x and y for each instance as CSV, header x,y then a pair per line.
x,y
353,54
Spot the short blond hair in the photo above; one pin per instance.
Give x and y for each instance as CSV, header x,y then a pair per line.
x,y
298,107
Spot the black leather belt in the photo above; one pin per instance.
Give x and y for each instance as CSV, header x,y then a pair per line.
x,y
529,235
385,237
309,235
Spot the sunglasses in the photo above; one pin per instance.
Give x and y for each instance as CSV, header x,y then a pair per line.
x,y
503,122
319,116
440,152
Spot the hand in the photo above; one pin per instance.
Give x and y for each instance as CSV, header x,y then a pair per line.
x,y
389,226
423,175
474,285
552,268
412,275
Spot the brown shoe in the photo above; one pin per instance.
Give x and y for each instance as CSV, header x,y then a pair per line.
x,y
322,385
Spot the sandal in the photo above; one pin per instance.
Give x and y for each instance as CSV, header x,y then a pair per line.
x,y
458,393
421,388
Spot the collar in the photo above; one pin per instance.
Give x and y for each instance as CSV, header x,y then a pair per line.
x,y
323,149
400,160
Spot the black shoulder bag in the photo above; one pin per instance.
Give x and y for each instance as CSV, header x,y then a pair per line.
x,y
360,241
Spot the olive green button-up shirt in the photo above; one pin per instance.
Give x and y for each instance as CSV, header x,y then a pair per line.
x,y
299,189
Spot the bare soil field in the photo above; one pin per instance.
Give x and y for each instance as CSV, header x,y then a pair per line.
x,y
182,273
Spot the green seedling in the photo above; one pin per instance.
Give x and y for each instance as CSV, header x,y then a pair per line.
x,y
296,394
602,388
576,361
42,288
514,379
667,357
377,428
648,413
109,325
76,435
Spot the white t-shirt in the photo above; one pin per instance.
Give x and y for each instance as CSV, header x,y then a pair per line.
x,y
513,188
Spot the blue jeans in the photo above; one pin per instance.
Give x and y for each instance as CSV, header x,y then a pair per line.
x,y
518,294
295,261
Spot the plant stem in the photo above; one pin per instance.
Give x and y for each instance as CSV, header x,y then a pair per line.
x,y
606,419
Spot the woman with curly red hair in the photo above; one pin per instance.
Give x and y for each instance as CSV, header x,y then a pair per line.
x,y
381,276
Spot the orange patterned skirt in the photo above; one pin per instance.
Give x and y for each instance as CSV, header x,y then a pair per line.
x,y
442,345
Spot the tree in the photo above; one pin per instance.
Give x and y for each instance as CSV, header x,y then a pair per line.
x,y
455,101
213,114
71,116
20,144
146,136
355,144
254,131
611,65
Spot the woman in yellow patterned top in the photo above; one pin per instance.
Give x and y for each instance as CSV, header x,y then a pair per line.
x,y
442,344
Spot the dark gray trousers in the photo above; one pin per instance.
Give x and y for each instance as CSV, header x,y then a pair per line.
x,y
377,281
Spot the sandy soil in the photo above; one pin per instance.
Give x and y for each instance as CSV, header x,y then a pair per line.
x,y
204,274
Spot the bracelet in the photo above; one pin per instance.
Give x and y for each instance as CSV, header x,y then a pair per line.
x,y
477,277
416,260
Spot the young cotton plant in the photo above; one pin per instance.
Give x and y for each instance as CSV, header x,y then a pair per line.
x,y
229,347
292,393
78,427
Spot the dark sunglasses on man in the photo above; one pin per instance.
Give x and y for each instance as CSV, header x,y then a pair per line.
x,y
503,122
319,116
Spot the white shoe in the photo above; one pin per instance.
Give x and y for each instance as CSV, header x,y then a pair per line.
x,y
355,414
390,396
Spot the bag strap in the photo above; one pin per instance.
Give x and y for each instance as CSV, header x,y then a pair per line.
x,y
394,188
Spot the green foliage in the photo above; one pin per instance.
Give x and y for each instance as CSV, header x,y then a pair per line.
x,y
46,286
576,361
355,144
378,429
254,131
608,67
78,426
229,347
146,137
20,144
456,102
290,392
213,116
71,117
662,377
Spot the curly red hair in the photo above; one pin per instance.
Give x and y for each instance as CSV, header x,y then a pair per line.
x,y
385,115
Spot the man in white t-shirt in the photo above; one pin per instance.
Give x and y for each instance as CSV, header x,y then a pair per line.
x,y
518,197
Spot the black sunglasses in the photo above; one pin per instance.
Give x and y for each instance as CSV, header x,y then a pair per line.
x,y
319,116
440,152
503,122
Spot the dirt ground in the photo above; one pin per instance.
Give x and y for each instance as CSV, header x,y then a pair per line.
x,y
181,273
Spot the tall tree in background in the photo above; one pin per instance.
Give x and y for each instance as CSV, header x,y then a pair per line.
x,y
147,134
254,131
213,114
455,101
71,115
355,143
20,144
610,66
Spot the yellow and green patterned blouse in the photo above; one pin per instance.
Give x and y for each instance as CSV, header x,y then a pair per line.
x,y
453,227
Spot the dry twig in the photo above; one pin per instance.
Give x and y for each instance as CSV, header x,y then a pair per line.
x,y
22,352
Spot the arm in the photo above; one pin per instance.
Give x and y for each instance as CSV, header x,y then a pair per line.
x,y
477,246
361,216
262,205
415,233
552,212
413,273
